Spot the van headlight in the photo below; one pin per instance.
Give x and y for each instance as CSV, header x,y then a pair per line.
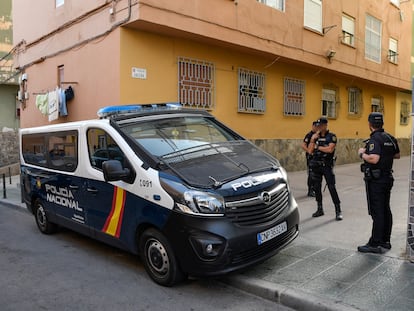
x,y
196,202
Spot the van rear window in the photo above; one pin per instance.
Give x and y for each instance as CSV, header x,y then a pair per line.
x,y
58,150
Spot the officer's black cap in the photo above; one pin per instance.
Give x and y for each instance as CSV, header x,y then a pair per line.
x,y
322,120
376,118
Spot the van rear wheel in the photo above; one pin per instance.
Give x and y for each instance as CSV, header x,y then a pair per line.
x,y
159,259
43,223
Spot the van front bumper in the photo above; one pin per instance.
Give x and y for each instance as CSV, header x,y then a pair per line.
x,y
211,246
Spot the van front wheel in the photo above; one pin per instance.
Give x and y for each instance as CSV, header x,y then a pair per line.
x,y
159,259
42,221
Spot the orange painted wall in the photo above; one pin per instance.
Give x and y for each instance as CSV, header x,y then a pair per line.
x,y
95,70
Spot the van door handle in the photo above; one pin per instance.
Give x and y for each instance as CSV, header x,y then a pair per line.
x,y
92,190
74,187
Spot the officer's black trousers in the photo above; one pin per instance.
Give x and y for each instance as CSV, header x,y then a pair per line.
x,y
309,181
316,173
379,194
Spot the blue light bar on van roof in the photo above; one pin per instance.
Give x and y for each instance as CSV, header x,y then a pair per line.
x,y
109,111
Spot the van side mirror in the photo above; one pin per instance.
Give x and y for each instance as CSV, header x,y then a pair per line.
x,y
113,171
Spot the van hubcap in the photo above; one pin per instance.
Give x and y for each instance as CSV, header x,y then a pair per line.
x,y
157,257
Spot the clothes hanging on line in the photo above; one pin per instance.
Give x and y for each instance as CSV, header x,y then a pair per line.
x,y
52,104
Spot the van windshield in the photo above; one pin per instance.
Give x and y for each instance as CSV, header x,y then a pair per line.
x,y
199,149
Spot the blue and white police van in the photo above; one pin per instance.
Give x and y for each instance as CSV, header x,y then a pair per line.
x,y
174,185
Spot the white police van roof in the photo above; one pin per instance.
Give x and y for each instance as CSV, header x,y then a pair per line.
x,y
111,111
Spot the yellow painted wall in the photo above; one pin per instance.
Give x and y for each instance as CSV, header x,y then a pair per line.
x,y
159,54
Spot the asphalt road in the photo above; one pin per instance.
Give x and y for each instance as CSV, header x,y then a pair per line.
x,y
67,271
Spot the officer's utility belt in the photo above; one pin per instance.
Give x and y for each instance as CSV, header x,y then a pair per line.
x,y
315,163
374,173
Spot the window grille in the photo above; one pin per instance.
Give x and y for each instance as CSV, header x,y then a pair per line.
x,y
329,103
373,30
196,83
377,104
348,30
313,14
277,4
354,101
294,97
251,91
404,113
393,51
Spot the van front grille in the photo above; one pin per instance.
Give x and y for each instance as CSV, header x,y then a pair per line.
x,y
263,208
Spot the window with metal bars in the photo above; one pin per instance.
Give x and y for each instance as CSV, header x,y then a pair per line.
x,y
377,104
294,97
251,91
404,112
196,83
354,101
329,103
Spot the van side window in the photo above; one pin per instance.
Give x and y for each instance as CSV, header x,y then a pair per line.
x,y
102,147
34,149
62,149
56,150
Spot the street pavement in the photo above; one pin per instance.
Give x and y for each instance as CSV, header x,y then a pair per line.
x,y
322,269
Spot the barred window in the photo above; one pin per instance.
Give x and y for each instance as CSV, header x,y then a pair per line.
x,y
354,101
294,97
196,83
377,104
251,91
329,104
404,113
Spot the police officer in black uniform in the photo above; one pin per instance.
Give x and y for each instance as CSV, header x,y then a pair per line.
x,y
379,153
305,146
322,147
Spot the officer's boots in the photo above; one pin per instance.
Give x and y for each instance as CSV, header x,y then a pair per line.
x,y
338,212
319,211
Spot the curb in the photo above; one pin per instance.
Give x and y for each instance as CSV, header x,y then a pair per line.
x,y
283,295
11,204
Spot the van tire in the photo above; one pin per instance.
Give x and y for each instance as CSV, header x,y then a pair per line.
x,y
159,259
43,223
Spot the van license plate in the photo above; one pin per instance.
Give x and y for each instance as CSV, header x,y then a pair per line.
x,y
271,233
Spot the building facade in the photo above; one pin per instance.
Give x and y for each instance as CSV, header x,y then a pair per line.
x,y
265,68
8,79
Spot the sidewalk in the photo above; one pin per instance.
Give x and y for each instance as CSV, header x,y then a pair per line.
x,y
321,269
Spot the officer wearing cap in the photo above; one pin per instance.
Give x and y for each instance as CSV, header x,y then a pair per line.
x,y
378,155
305,145
322,148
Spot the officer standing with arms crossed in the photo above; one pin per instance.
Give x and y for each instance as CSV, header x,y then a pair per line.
x,y
322,148
305,146
379,153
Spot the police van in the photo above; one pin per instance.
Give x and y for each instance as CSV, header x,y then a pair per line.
x,y
174,185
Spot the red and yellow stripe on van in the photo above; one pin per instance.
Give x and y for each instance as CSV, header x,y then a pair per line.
x,y
114,221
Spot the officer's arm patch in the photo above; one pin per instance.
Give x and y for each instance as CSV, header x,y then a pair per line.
x,y
371,147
